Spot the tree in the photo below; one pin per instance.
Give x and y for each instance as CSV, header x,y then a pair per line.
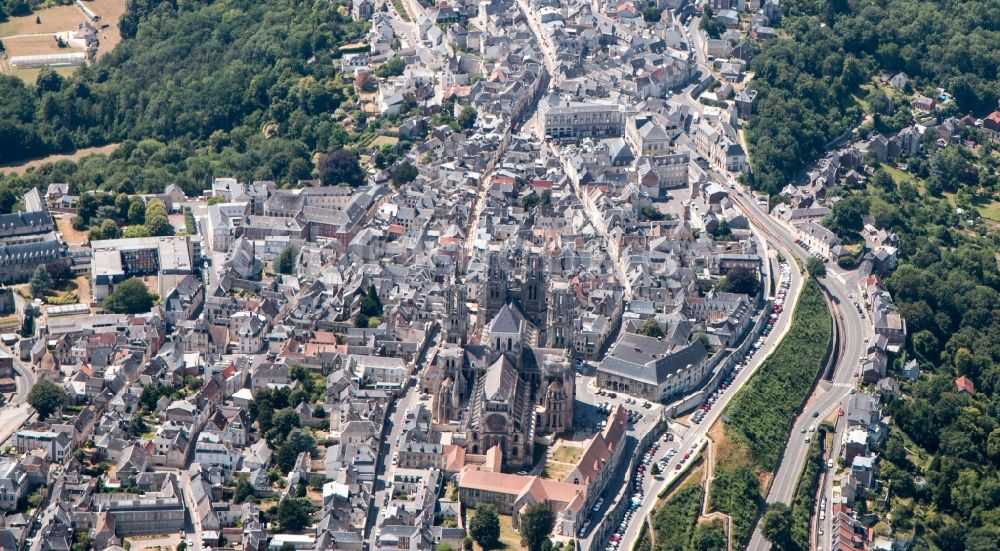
x,y
135,231
536,526
46,397
298,441
467,118
137,426
136,212
41,282
815,267
282,422
485,527
529,201
393,67
777,524
48,81
130,297
286,260
156,218
651,14
244,491
294,514
82,541
740,280
712,26
878,102
846,219
28,325
371,305
883,181
655,469
709,536
651,328
341,166
403,173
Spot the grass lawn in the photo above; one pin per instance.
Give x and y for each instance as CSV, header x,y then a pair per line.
x,y
899,176
567,454
36,45
384,140
555,470
990,211
66,18
509,538
692,476
30,76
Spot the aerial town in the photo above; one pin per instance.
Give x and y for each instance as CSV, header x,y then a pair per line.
x,y
539,313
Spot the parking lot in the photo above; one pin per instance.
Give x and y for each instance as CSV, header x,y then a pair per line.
x,y
680,444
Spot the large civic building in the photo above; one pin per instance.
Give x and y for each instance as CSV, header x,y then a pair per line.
x,y
653,368
28,240
116,260
568,119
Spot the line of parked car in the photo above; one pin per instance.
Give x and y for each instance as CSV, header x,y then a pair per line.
x,y
779,304
637,495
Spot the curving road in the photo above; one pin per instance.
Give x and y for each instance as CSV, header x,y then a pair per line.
x,y
14,413
694,435
828,395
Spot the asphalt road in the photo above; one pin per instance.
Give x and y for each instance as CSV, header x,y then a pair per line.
x,y
15,412
687,436
829,395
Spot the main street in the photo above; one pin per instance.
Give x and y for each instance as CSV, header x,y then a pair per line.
x,y
695,435
829,395
392,435
853,331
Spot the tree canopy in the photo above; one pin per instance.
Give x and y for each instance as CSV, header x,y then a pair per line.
x,y
286,260
46,397
651,328
741,280
238,88
294,513
809,82
536,526
341,166
129,297
485,527
41,282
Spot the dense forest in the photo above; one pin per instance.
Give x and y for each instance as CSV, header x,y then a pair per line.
x,y
810,83
196,89
941,458
939,464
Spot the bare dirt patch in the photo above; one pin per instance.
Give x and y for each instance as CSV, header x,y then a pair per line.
x,y
18,33
70,235
21,168
36,45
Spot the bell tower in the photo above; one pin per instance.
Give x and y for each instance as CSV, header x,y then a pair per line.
x,y
494,290
456,321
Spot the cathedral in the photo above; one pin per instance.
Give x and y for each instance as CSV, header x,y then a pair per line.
x,y
507,388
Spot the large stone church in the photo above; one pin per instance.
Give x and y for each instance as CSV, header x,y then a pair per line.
x,y
507,388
